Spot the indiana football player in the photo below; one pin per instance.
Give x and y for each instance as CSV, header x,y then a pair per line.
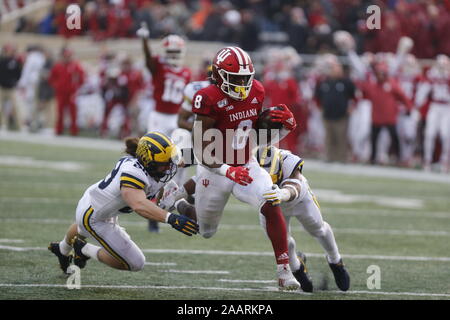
x,y
169,78
231,107
136,178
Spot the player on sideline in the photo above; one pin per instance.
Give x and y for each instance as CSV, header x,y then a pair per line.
x,y
135,178
169,79
233,104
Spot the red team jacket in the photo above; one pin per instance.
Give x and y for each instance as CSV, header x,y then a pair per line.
x,y
231,114
169,83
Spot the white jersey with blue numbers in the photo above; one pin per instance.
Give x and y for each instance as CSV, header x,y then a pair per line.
x,y
189,92
105,197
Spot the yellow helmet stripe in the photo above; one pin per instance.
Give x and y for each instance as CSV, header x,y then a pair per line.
x,y
154,142
162,139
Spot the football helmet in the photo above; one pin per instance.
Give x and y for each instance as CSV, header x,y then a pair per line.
x,y
174,48
233,72
269,158
158,155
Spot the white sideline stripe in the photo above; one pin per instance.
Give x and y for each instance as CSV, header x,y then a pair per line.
x,y
160,263
196,271
37,200
260,253
266,289
246,281
29,162
11,241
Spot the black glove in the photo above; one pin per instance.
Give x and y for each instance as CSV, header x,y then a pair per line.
x,y
183,224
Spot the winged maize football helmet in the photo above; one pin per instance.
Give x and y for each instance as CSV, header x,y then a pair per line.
x,y
270,159
159,156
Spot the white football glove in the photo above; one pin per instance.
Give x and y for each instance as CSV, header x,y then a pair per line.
x,y
277,195
171,194
143,31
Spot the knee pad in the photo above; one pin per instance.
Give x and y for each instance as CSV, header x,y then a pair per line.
x,y
138,263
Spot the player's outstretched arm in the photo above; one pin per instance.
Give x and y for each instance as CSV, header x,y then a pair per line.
x,y
144,33
137,201
289,191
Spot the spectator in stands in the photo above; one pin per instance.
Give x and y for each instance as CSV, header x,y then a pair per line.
x,y
334,94
249,33
66,77
10,71
298,30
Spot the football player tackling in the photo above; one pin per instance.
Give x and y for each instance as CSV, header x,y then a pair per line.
x,y
231,107
135,179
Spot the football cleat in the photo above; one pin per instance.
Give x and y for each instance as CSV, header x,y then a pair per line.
x,y
79,258
341,275
286,280
153,226
64,261
302,275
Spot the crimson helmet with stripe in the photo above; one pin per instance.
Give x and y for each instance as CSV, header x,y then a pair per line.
x,y
233,72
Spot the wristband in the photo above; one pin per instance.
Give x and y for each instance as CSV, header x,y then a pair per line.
x,y
291,187
222,170
167,217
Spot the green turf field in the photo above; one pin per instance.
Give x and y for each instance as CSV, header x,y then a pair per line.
x,y
400,225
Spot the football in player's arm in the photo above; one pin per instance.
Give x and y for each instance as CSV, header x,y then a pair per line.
x,y
136,178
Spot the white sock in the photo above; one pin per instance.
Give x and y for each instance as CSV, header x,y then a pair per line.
x,y
64,247
91,251
328,243
294,262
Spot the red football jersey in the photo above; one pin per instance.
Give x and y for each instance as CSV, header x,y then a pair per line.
x,y
169,83
239,117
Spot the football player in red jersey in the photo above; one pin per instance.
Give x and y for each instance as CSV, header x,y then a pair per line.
x,y
169,79
230,107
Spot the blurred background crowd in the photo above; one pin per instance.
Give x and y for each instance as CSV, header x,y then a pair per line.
x,y
359,95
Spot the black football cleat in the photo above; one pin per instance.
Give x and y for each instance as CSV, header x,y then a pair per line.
x,y
302,275
79,258
153,226
64,261
341,275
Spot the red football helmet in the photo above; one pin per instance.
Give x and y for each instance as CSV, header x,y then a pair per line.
x,y
233,72
174,48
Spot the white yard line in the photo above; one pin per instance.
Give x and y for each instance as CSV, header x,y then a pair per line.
x,y
30,162
196,271
160,264
250,227
266,289
246,281
12,240
257,253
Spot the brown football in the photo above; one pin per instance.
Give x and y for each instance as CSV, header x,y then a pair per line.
x,y
265,122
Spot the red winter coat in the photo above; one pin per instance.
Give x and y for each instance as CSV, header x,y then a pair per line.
x,y
385,98
66,78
